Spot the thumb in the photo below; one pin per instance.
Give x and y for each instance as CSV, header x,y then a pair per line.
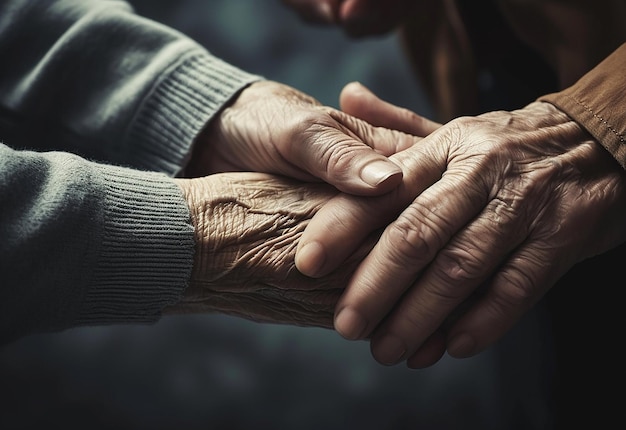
x,y
350,165
357,100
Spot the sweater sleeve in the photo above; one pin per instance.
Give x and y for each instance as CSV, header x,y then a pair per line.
x,y
597,103
86,243
98,109
94,79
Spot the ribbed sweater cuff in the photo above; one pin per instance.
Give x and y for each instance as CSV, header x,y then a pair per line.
x,y
146,249
179,107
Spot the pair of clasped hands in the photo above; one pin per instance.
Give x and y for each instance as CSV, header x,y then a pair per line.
x,y
419,237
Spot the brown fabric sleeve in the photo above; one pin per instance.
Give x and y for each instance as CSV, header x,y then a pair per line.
x,y
598,102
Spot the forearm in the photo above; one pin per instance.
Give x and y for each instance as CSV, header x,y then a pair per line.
x,y
84,243
97,80
596,102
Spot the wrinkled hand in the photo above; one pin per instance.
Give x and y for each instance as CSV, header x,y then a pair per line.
x,y
273,128
247,229
492,211
357,18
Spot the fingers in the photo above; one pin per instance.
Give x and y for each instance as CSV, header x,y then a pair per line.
x,y
345,221
494,214
316,11
348,153
274,128
338,229
430,352
349,165
518,285
459,268
405,249
357,100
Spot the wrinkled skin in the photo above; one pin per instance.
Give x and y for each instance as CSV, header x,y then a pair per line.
x,y
273,128
492,211
248,224
247,229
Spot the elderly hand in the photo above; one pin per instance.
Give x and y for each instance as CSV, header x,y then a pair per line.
x,y
492,211
247,229
358,18
273,128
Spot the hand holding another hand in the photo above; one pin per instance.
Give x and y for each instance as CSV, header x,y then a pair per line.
x,y
248,224
492,211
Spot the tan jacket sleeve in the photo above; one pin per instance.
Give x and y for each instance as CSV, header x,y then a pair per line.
x,y
597,101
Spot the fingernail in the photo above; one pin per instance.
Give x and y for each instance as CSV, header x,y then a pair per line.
x,y
377,172
310,258
461,346
389,350
350,324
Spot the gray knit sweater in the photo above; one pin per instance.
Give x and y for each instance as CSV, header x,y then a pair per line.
x,y
98,110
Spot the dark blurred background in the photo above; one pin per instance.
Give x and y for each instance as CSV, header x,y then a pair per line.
x,y
216,372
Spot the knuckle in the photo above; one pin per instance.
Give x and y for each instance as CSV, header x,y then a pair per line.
x,y
460,265
340,155
519,287
417,234
325,146
504,208
408,241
